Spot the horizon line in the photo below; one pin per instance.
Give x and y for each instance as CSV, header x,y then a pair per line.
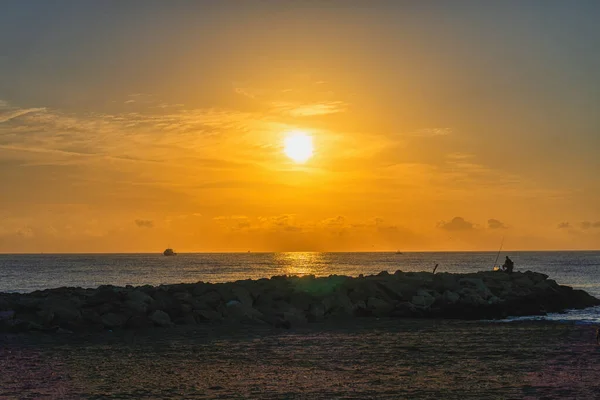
x,y
305,251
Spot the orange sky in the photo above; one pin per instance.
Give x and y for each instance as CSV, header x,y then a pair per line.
x,y
433,129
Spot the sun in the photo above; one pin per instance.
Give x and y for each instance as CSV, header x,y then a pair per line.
x,y
298,146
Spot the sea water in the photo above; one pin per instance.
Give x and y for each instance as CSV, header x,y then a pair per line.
x,y
29,272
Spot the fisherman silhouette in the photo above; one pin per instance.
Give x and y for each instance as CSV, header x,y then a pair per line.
x,y
508,265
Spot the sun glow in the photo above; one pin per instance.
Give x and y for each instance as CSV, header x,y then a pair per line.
x,y
298,146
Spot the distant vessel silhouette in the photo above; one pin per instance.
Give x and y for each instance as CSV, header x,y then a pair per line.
x,y
169,252
399,252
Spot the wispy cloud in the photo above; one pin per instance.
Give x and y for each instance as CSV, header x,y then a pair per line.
x,y
8,114
428,132
309,109
133,136
247,92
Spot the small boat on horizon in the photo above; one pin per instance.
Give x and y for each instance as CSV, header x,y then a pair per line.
x,y
169,252
399,252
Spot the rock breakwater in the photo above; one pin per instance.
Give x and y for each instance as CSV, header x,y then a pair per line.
x,y
286,301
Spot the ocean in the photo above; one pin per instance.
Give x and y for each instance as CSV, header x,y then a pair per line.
x,y
28,272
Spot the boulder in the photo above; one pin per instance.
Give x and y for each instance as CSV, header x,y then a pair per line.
x,y
186,309
182,297
207,315
450,297
139,296
294,317
477,286
359,309
6,315
64,311
210,299
91,317
187,319
404,310
136,307
242,295
379,307
29,303
138,322
105,295
423,299
236,311
112,320
316,312
472,297
160,318
46,316
301,300
337,304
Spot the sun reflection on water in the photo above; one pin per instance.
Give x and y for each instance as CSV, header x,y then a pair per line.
x,y
300,263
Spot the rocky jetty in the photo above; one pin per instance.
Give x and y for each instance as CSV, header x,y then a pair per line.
x,y
286,301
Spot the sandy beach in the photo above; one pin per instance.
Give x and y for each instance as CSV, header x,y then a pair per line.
x,y
364,358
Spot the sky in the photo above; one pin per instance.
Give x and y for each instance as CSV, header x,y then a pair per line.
x,y
140,125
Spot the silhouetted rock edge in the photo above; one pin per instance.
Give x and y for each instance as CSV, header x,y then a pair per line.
x,y
285,301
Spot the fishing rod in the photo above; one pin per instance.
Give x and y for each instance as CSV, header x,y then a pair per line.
x,y
499,250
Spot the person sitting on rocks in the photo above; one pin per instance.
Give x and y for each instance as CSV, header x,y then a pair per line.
x,y
598,336
508,265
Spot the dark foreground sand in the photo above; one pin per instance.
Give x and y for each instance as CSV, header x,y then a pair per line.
x,y
413,359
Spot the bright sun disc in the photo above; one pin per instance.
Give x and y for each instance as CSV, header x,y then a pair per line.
x,y
298,146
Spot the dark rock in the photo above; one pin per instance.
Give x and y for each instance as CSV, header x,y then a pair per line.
x,y
212,298
138,322
6,315
207,315
316,312
237,311
295,317
379,307
292,301
404,310
182,297
112,320
422,299
338,304
63,310
160,318
242,295
91,318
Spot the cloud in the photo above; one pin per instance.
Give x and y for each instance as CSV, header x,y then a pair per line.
x,y
285,222
247,92
7,115
590,225
496,224
564,225
144,223
309,109
234,223
26,232
175,136
429,132
457,224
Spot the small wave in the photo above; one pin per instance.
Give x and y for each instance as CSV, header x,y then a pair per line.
x,y
581,317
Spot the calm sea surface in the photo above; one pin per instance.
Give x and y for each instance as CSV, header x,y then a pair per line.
x,y
26,273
